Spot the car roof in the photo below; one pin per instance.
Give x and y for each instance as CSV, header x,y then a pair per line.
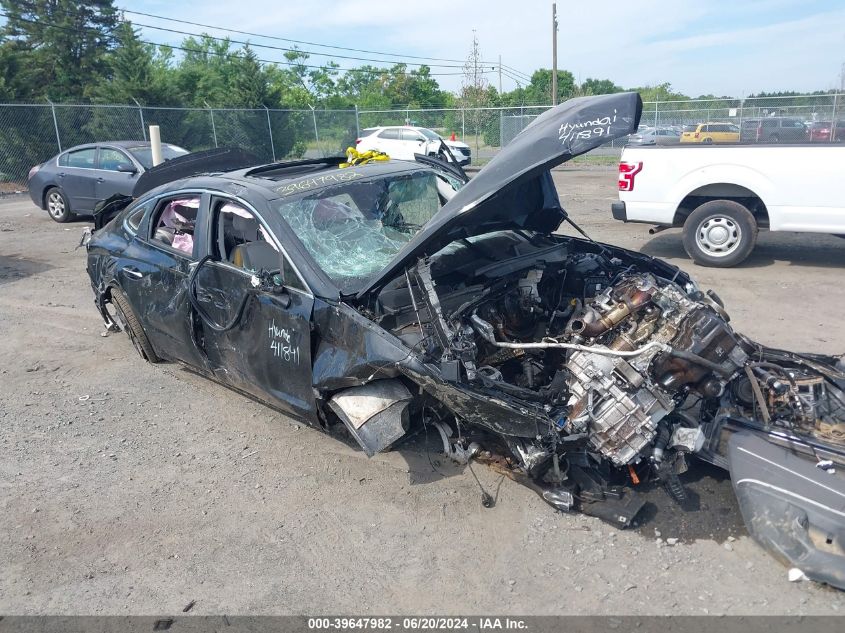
x,y
267,180
124,144
400,127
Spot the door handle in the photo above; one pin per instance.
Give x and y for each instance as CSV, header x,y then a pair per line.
x,y
61,174
101,180
133,272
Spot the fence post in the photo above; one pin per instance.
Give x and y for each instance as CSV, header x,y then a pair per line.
x,y
656,103
833,119
357,123
141,113
463,124
55,124
270,130
213,128
316,133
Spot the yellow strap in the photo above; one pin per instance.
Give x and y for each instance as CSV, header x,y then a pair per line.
x,y
354,157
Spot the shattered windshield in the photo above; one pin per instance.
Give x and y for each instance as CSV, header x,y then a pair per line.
x,y
353,230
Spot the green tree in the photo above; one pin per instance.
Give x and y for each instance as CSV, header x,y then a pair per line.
x,y
599,87
130,71
64,45
539,91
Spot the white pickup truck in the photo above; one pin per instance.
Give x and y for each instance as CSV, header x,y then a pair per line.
x,y
722,195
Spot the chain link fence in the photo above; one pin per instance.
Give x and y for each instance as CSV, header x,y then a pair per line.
x,y
32,133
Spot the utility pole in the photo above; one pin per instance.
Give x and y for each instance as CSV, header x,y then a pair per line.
x,y
554,53
500,74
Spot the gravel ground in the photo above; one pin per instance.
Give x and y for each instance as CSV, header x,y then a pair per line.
x,y
127,488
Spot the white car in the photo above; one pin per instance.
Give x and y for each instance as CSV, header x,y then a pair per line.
x,y
722,196
403,141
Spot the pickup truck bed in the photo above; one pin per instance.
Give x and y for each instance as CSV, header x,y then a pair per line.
x,y
723,194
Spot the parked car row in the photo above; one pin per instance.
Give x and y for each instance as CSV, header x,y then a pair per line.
x,y
756,130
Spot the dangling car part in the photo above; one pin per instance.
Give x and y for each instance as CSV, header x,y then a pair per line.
x,y
383,298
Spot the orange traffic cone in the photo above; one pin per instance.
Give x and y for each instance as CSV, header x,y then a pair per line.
x,y
452,138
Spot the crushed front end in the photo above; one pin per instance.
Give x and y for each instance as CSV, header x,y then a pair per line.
x,y
581,369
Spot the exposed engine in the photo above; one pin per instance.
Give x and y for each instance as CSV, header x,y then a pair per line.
x,y
618,362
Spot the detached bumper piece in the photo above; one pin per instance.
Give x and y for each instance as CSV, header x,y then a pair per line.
x,y
376,414
791,507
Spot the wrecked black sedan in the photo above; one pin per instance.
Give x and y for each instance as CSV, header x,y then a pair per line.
x,y
371,300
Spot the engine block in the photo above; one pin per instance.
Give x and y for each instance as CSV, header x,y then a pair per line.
x,y
615,404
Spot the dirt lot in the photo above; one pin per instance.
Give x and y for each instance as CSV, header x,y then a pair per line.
x,y
131,488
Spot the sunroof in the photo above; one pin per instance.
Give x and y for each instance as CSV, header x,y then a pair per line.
x,y
278,171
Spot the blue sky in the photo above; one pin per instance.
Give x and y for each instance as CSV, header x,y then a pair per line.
x,y
724,47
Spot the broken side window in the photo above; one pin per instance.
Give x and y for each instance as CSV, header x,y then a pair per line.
x,y
242,240
133,220
174,222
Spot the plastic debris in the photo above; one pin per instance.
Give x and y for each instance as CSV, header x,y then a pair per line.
x,y
796,575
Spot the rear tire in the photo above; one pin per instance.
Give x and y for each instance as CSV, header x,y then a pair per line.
x,y
132,327
58,207
720,234
708,141
774,138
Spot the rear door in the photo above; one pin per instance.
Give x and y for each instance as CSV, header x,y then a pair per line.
x,y
154,273
117,173
77,177
255,311
389,141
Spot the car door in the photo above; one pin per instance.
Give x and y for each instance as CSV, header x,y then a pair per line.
x,y
414,143
77,175
389,141
255,311
154,271
117,173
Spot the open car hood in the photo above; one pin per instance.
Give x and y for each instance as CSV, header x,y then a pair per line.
x,y
211,160
515,189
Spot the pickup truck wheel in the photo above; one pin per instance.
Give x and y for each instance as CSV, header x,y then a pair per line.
x,y
720,233
707,141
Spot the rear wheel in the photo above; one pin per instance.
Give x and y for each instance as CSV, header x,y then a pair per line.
x,y
720,233
57,205
132,326
707,141
774,138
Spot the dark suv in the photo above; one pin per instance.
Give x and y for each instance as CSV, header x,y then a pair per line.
x,y
774,129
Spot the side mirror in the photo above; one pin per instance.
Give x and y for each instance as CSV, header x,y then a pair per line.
x,y
127,168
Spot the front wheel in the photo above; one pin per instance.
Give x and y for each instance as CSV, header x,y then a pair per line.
x,y
57,205
720,233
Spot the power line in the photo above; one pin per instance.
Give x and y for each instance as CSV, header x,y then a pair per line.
x,y
220,54
292,50
514,71
287,39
